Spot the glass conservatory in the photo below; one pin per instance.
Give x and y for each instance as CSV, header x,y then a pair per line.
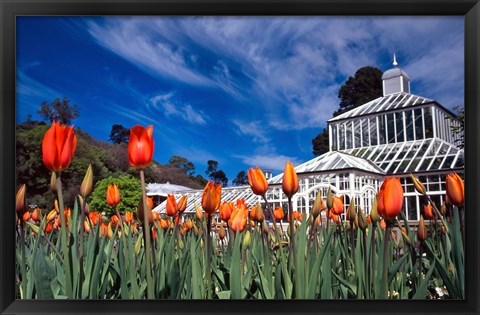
x,y
393,135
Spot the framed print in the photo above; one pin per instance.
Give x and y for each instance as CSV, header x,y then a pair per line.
x,y
193,157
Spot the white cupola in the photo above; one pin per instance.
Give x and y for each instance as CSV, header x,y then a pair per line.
x,y
395,80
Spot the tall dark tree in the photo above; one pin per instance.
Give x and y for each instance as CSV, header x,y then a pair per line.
x,y
241,179
119,134
59,110
320,143
182,163
364,86
218,176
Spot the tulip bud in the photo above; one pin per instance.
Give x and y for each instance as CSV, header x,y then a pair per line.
x,y
26,216
443,209
53,183
355,222
87,207
198,211
181,245
421,230
362,220
329,199
352,212
138,246
318,206
51,215
87,183
419,187
265,228
221,232
374,217
246,240
20,202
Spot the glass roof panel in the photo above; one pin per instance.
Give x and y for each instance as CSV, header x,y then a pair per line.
x,y
396,100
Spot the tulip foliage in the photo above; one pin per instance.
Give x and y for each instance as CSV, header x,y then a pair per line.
x,y
228,251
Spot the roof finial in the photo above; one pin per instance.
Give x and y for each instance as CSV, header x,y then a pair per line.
x,y
395,63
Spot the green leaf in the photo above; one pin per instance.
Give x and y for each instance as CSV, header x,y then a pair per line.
x,y
422,290
42,280
394,269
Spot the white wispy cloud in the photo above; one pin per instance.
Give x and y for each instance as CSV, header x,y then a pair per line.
x,y
172,107
254,129
273,162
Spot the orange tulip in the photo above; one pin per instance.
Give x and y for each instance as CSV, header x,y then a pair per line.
x,y
36,214
115,220
86,226
154,233
422,230
198,212
337,208
51,215
383,224
455,189
221,232
20,201
211,197
427,211
95,217
238,220
113,195
163,224
171,207
182,204
257,213
140,146
390,198
189,224
226,210
26,216
290,180
49,227
258,182
58,147
150,202
128,216
278,213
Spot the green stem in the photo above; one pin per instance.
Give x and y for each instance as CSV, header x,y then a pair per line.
x,y
292,233
146,238
374,227
65,247
209,258
367,275
24,260
81,249
385,260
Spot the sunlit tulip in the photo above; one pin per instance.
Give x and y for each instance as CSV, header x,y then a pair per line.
x,y
238,220
163,224
226,210
51,215
337,207
422,230
113,195
95,217
290,180
374,217
171,207
182,204
455,189
428,211
278,213
20,201
211,197
128,216
318,206
189,224
58,147
258,215
140,146
257,181
390,198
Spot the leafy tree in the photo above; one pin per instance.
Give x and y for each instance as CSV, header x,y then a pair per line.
x,y
320,143
241,179
119,134
363,87
182,163
130,193
218,176
459,129
59,110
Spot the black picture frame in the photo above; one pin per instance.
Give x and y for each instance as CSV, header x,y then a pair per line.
x,y
9,9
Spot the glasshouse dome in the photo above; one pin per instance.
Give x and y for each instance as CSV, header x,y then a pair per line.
x,y
394,135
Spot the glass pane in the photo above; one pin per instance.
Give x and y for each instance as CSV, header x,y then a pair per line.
x,y
341,134
381,128
411,205
373,131
356,133
418,124
409,124
399,125
391,128
365,132
334,137
428,122
348,128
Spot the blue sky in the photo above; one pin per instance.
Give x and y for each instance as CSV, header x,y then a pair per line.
x,y
244,91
